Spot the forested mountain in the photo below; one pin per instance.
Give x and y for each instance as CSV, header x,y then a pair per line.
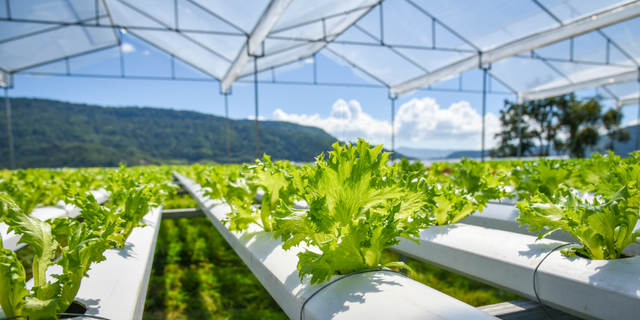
x,y
55,134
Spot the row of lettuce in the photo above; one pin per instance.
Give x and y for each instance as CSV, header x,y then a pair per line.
x,y
355,204
73,244
343,210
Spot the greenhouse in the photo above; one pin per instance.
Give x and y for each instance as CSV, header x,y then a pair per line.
x,y
518,201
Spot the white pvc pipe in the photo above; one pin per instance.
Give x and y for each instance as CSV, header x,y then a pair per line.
x,y
592,289
503,217
378,295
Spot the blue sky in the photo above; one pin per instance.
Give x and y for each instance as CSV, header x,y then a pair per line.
x,y
294,102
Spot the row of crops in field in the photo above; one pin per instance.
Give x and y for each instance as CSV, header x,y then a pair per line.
x,y
74,244
352,205
345,210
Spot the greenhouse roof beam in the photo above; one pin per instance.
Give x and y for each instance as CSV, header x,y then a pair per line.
x,y
629,100
613,43
599,20
588,84
268,20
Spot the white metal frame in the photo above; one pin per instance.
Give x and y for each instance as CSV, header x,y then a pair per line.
x,y
576,86
599,20
629,100
268,20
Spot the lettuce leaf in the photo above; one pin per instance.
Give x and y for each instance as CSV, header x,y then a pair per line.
x,y
357,208
604,226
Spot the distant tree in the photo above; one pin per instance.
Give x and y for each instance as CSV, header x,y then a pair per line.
x,y
545,114
533,119
568,124
611,121
579,121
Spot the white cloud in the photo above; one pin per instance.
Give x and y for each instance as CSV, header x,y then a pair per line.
x,y
346,120
146,52
416,120
260,118
128,47
423,119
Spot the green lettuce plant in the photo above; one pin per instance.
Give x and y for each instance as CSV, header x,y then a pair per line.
x,y
470,186
80,244
604,226
45,299
356,210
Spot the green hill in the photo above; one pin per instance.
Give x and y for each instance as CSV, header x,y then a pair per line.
x,y
56,134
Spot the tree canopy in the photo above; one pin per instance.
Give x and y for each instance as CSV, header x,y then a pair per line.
x,y
565,123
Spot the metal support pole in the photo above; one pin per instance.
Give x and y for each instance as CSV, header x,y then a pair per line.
x,y
121,57
638,125
173,67
618,125
226,118
519,130
381,25
255,82
433,33
484,109
393,128
7,105
315,69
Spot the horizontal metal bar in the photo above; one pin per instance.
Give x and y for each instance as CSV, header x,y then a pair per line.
x,y
325,84
182,213
536,56
106,76
64,58
55,27
501,93
629,100
400,46
127,27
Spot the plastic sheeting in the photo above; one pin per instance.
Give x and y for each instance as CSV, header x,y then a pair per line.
x,y
207,35
392,42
